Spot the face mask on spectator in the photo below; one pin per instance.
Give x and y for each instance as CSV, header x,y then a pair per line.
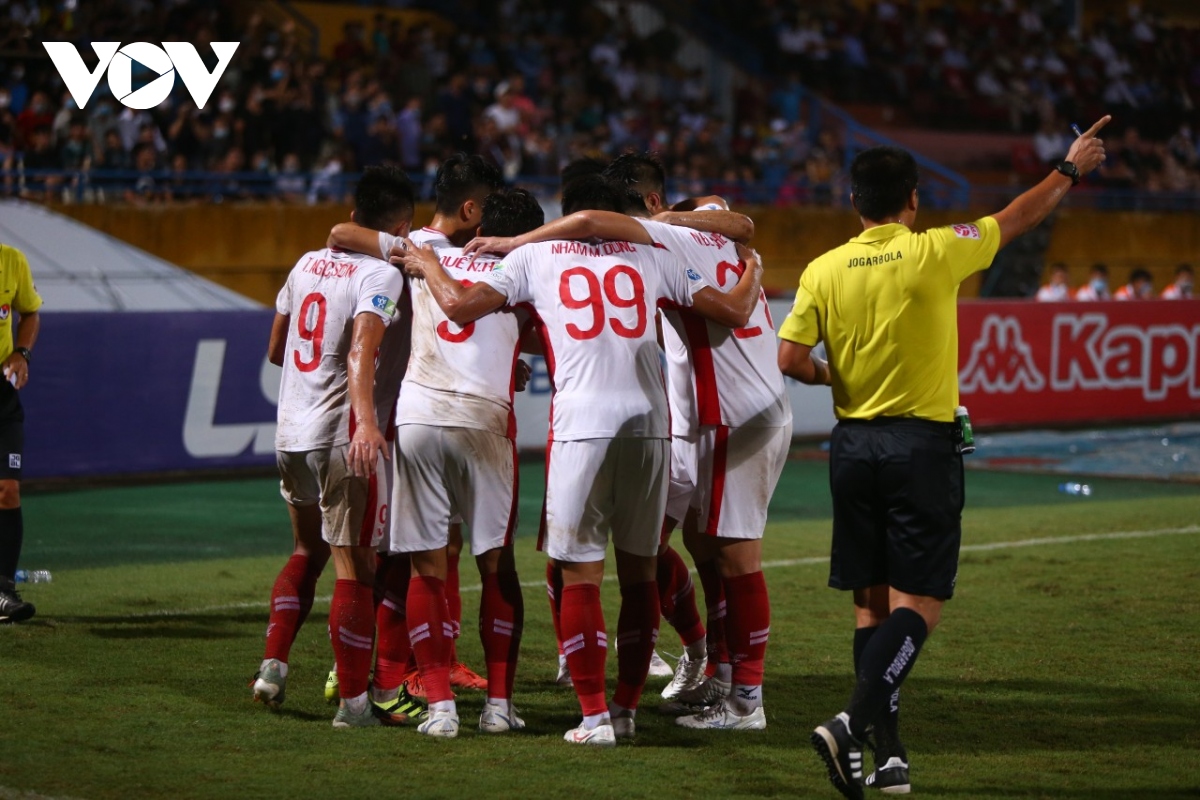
x,y
70,104
277,74
1099,285
226,105
220,133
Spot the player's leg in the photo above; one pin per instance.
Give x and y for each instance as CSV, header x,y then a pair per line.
x,y
718,678
12,526
421,513
348,506
858,563
488,498
461,676
641,477
676,591
921,482
554,585
393,704
578,510
295,587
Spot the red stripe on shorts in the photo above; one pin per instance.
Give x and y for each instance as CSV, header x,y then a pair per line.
x,y
717,496
368,520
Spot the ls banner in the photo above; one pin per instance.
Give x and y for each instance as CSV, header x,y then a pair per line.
x,y
1023,363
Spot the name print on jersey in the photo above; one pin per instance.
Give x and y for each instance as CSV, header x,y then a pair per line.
x,y
874,261
592,250
330,269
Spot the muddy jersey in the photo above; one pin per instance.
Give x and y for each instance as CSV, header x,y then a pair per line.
x,y
323,294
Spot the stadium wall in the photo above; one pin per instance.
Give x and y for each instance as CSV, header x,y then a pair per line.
x,y
260,242
139,393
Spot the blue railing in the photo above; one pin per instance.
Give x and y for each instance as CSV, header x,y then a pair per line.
x,y
102,186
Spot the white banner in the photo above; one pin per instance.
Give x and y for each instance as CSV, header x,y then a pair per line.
x,y
812,406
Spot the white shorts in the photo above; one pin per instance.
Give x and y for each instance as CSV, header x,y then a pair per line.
x,y
352,513
594,485
736,474
446,474
683,476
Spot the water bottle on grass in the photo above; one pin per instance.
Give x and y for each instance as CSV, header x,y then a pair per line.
x,y
33,576
1075,489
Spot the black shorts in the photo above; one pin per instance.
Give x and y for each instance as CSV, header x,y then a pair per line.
x,y
12,432
898,496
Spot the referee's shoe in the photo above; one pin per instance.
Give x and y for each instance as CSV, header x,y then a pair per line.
x,y
12,607
842,754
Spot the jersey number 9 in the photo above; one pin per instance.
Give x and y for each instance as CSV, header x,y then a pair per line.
x,y
310,327
594,298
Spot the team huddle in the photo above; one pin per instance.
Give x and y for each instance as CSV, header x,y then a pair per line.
x,y
396,445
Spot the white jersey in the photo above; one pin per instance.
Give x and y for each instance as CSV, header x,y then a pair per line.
x,y
1054,293
461,377
717,375
323,294
596,304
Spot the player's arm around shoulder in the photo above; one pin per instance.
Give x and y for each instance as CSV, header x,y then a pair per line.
x,y
461,304
732,308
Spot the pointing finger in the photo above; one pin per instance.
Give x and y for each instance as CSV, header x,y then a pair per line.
x,y
1100,123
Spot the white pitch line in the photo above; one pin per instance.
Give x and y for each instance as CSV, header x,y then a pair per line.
x,y
18,794
777,564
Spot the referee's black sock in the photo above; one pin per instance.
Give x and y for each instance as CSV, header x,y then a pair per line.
x,y
887,657
12,533
887,724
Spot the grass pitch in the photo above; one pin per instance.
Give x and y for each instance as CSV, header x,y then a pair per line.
x,y
1064,667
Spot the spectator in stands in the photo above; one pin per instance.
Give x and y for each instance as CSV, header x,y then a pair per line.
x,y
1181,287
1097,286
145,188
1140,286
290,185
1057,290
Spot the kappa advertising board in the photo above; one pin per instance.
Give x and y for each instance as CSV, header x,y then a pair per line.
x,y
1026,363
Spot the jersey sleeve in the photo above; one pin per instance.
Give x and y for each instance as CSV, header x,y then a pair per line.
x,y
680,282
511,276
967,248
378,293
26,300
387,242
802,324
283,300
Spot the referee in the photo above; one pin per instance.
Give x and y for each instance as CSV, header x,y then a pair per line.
x,y
884,304
17,294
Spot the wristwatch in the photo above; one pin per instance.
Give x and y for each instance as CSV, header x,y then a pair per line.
x,y
24,353
1069,169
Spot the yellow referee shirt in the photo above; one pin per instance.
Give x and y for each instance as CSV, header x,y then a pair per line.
x,y
885,304
17,292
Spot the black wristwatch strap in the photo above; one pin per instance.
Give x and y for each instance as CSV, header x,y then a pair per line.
x,y
1070,170
25,354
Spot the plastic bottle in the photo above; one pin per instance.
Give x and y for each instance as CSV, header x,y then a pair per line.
x,y
1076,489
966,432
34,576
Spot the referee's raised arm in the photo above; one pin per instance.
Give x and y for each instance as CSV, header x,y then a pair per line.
x,y
1029,209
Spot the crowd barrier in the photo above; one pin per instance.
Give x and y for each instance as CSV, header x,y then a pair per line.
x,y
116,394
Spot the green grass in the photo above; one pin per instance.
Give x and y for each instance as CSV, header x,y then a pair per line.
x,y
1060,670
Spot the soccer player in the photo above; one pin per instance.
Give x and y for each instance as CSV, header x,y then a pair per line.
x,y
18,294
1057,290
330,322
608,456
461,184
885,305
1097,286
1181,287
456,456
731,424
1140,286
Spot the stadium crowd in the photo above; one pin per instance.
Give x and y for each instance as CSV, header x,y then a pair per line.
x,y
1140,285
532,84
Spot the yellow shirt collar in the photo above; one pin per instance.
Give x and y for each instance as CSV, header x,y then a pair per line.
x,y
880,232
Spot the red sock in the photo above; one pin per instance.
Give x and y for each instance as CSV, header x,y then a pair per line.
x,y
392,650
501,616
585,644
454,602
554,588
714,601
291,600
430,633
637,631
749,625
677,596
352,632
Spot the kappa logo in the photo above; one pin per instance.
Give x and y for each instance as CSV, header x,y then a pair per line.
x,y
118,62
1090,353
1001,361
